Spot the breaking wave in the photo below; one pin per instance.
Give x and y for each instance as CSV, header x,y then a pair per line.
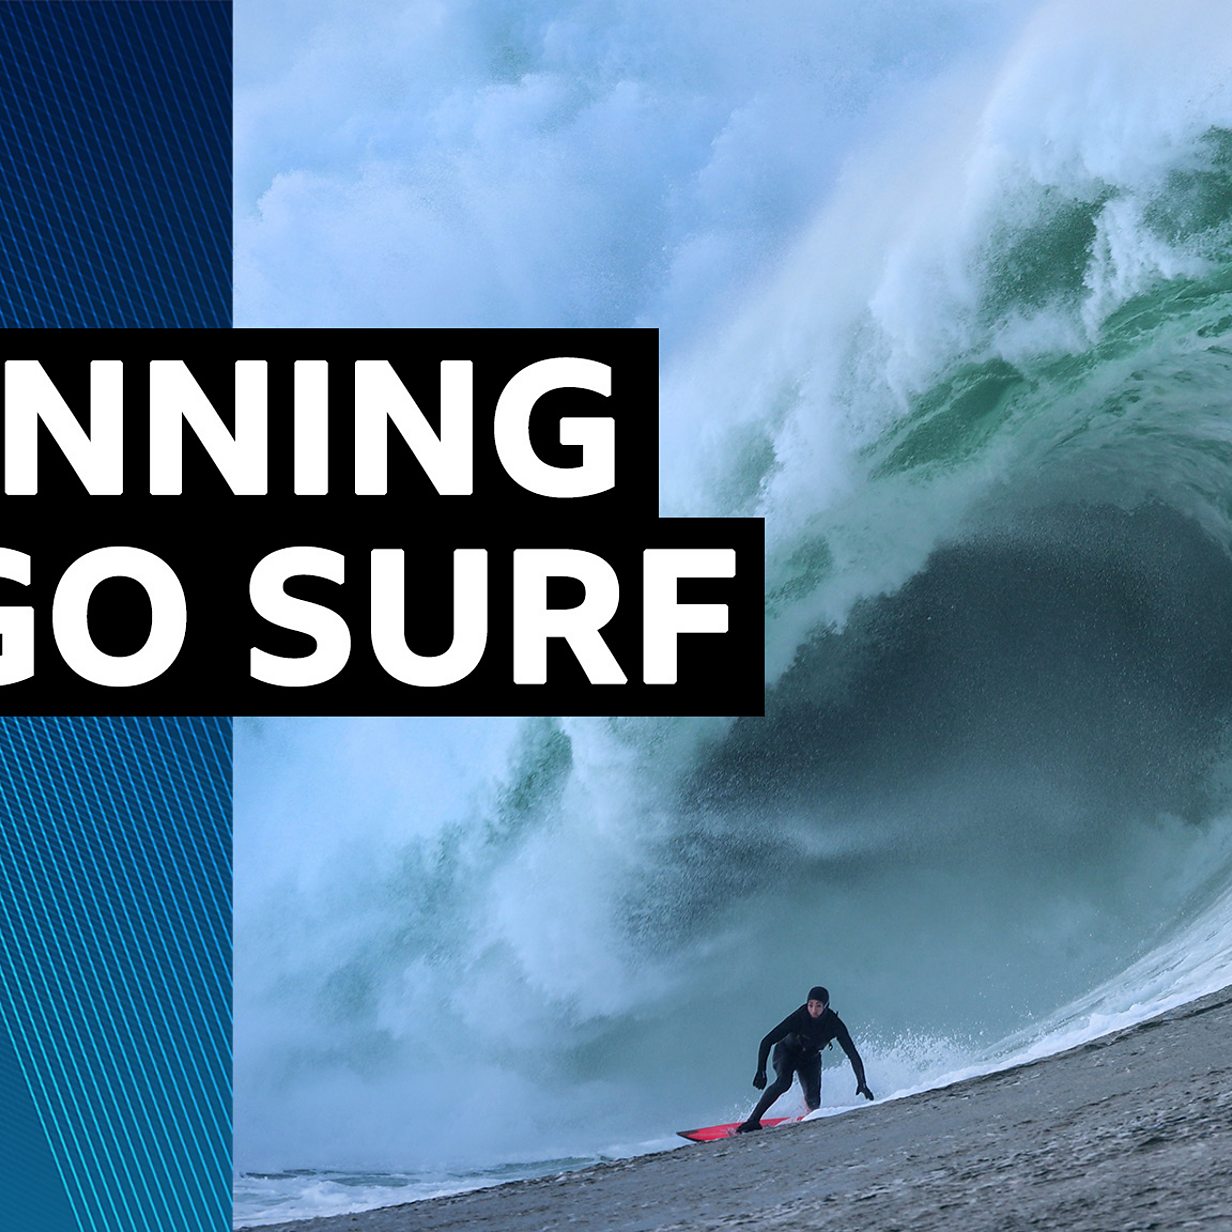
x,y
984,409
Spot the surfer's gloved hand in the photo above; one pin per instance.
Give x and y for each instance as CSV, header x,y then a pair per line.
x,y
759,1080
862,1089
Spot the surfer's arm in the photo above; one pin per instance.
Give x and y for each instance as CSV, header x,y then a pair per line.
x,y
778,1033
847,1044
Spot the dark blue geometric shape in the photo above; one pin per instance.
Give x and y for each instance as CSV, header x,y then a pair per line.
x,y
34,1194
115,961
115,163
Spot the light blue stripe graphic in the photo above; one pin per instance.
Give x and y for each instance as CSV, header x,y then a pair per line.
x,y
115,886
115,857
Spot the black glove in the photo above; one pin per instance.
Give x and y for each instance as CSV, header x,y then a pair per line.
x,y
862,1089
759,1080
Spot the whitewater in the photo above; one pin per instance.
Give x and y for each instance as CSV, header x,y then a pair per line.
x,y
976,379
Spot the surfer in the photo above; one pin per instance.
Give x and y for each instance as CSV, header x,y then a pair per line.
x,y
797,1042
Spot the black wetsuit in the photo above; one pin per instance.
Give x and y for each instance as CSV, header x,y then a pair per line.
x,y
797,1042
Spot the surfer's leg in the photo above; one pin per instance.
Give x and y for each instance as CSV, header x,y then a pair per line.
x,y
809,1069
784,1071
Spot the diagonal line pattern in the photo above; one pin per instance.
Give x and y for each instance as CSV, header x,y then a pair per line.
x,y
115,885
115,163
115,841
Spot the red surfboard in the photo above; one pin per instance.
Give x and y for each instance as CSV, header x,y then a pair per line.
x,y
712,1133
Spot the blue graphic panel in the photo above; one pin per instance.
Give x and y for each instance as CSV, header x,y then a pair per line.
x,y
115,882
115,163
115,935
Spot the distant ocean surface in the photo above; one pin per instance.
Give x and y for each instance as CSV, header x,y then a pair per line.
x,y
270,1197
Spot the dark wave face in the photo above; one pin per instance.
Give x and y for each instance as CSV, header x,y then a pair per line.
x,y
985,406
960,805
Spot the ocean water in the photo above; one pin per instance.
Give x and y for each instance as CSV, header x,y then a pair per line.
x,y
973,364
